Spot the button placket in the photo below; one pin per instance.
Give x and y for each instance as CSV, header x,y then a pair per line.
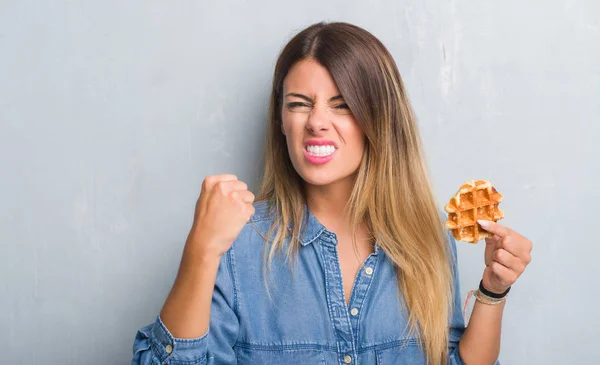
x,y
335,297
360,291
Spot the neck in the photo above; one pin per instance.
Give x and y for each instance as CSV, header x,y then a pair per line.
x,y
328,203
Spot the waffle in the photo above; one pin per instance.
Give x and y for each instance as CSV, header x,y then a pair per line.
x,y
476,199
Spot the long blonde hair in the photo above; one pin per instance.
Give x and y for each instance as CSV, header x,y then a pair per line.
x,y
392,195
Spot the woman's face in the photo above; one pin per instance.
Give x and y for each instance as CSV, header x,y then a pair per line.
x,y
324,140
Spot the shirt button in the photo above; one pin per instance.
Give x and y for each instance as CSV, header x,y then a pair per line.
x,y
354,311
168,349
347,359
369,271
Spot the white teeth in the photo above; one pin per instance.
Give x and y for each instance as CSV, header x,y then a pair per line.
x,y
320,150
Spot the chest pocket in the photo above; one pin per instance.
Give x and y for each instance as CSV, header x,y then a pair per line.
x,y
251,356
406,353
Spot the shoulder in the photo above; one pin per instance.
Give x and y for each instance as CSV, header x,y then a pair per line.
x,y
254,233
262,211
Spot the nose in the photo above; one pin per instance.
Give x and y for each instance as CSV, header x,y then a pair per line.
x,y
318,120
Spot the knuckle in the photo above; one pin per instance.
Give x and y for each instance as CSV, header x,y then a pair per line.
x,y
208,181
498,255
222,187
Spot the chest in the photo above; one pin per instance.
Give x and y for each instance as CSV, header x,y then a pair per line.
x,y
337,307
351,260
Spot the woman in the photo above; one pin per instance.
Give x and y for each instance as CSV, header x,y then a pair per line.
x,y
343,258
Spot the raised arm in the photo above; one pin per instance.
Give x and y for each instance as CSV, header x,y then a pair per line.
x,y
180,333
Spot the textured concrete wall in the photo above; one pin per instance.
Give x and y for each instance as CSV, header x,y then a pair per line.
x,y
112,112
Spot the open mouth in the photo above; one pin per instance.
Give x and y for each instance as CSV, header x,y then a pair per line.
x,y
320,151
319,155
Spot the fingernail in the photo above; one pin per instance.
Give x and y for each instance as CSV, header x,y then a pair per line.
x,y
483,223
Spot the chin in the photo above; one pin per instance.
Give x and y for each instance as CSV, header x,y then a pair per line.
x,y
318,180
321,178
322,175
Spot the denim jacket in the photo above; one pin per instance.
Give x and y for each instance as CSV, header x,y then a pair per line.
x,y
303,317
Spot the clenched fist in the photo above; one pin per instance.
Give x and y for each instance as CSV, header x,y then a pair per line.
x,y
222,210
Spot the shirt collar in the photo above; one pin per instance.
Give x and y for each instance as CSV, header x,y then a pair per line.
x,y
312,229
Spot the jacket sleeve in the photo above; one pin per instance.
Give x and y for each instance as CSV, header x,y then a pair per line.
x,y
457,322
154,344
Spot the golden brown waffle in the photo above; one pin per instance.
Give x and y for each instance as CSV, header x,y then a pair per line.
x,y
476,199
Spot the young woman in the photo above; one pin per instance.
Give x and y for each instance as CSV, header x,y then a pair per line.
x,y
343,258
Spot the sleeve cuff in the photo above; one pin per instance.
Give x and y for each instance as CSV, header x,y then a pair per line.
x,y
166,347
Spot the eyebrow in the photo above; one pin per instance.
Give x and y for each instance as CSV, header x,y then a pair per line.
x,y
301,96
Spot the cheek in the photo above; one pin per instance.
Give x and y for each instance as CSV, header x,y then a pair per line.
x,y
287,123
288,129
285,126
355,138
357,151
294,118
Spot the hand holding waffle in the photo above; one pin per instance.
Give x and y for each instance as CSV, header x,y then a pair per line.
x,y
507,254
472,215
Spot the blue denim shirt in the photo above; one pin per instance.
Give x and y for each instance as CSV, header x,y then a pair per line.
x,y
305,320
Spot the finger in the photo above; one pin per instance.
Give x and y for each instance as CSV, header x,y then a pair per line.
x,y
505,275
228,186
245,196
244,199
494,228
236,185
510,245
211,181
226,177
250,210
520,248
493,241
508,260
